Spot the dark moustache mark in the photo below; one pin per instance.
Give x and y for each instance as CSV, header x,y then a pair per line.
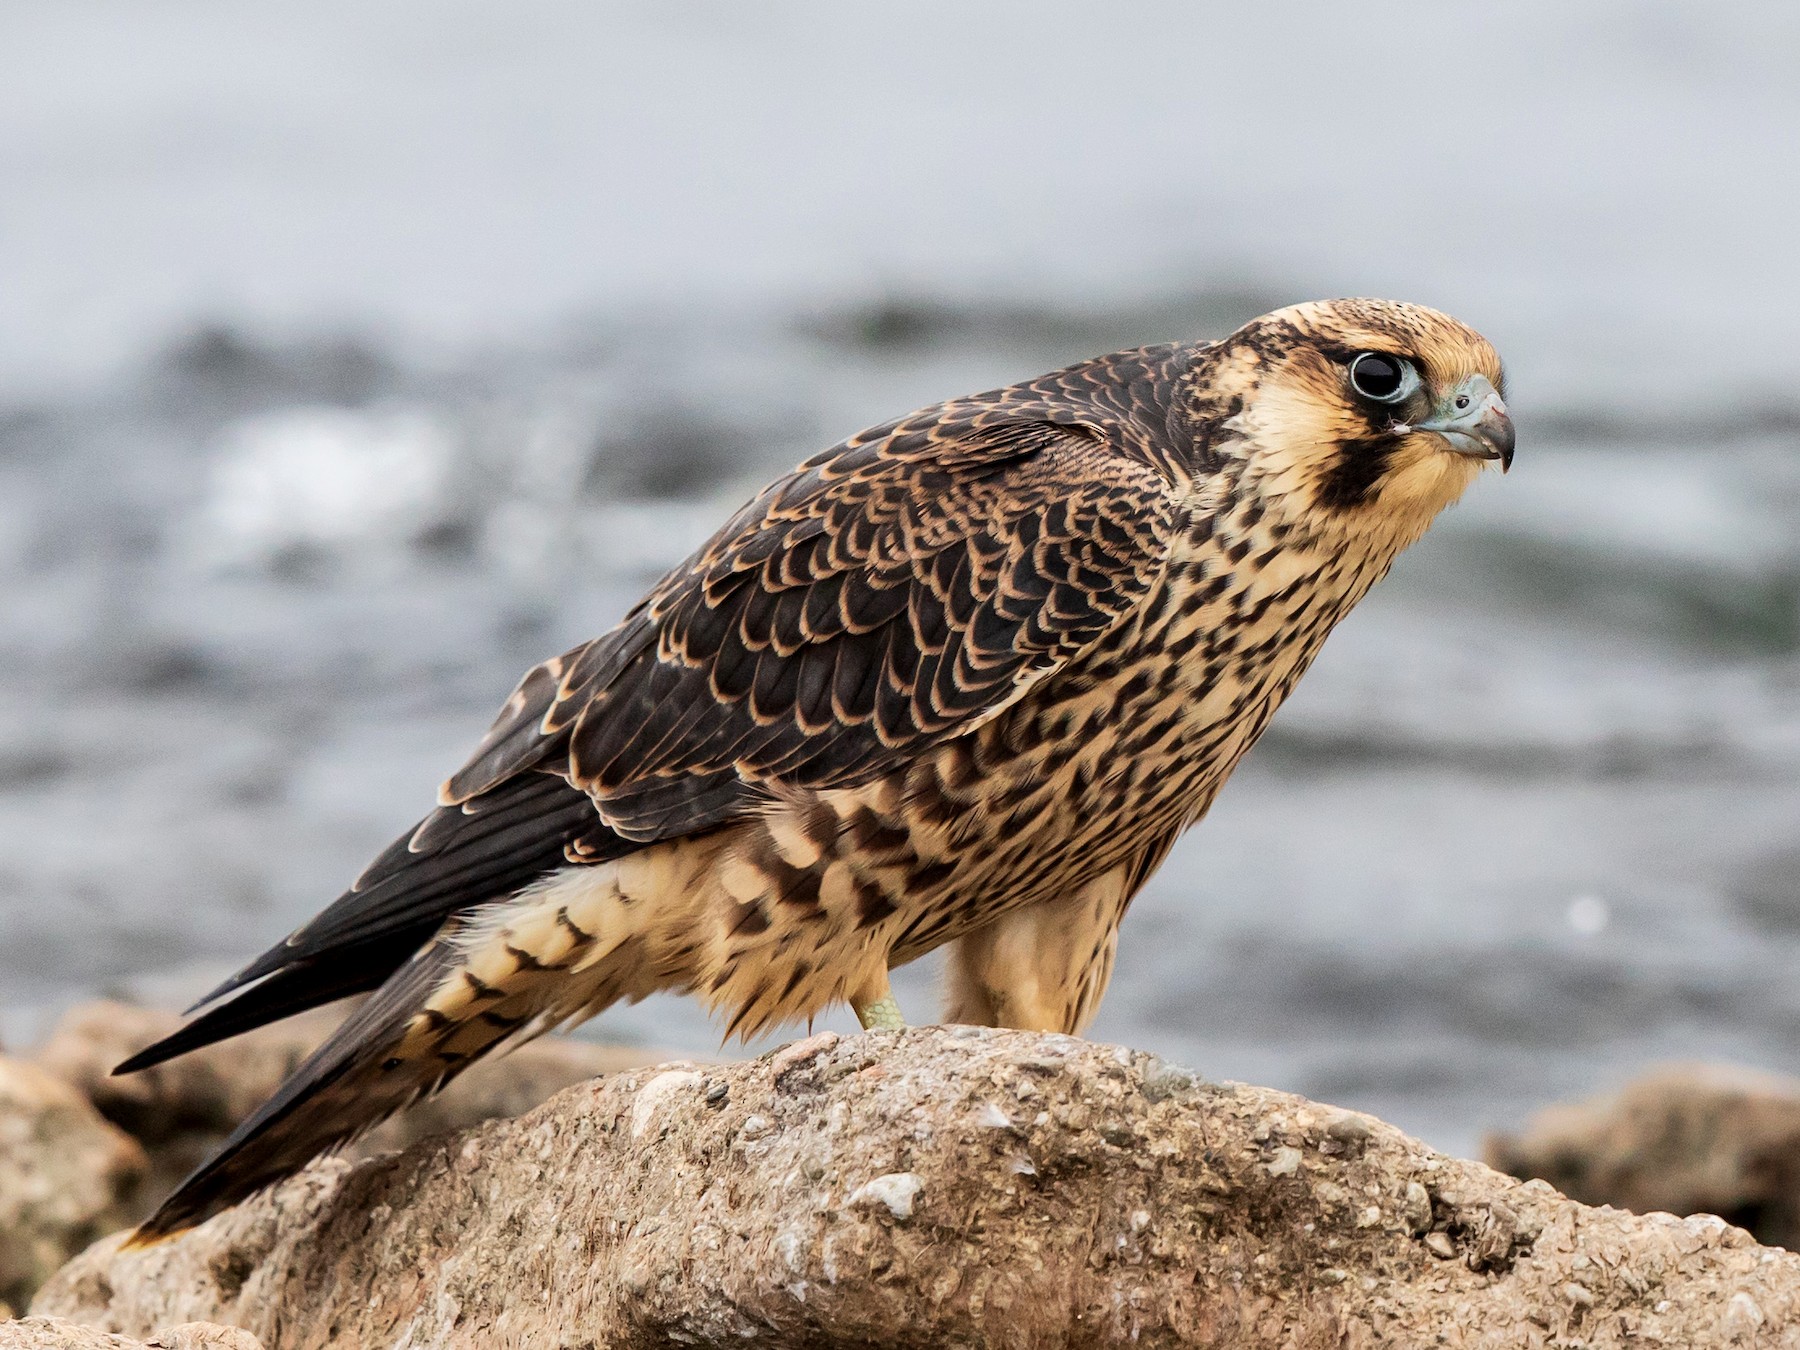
x,y
1360,464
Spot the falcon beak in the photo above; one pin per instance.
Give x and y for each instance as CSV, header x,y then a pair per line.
x,y
1472,418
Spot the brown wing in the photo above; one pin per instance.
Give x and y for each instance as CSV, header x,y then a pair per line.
x,y
882,598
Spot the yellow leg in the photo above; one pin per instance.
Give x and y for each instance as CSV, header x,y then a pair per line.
x,y
881,1015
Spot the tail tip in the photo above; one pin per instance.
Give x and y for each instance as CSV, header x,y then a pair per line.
x,y
128,1066
150,1234
149,1057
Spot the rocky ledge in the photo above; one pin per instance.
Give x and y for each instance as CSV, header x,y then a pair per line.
x,y
1688,1138
56,1333
929,1188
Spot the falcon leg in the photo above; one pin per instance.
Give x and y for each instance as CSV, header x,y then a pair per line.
x,y
881,1015
1041,967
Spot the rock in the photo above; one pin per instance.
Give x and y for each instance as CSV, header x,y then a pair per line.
x,y
66,1176
53,1333
181,1110
933,1187
1688,1139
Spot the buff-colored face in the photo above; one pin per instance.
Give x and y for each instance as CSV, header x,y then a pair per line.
x,y
1374,411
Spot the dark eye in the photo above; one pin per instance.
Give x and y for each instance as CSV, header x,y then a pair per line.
x,y
1383,378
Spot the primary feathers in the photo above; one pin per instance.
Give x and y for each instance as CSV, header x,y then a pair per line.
x,y
961,679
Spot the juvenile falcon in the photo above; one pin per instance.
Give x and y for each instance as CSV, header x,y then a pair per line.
x,y
962,679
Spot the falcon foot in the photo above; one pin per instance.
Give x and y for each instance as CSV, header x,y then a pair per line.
x,y
881,1015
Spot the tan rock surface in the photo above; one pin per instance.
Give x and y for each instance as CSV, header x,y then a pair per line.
x,y
66,1176
181,1110
1689,1139
932,1188
54,1333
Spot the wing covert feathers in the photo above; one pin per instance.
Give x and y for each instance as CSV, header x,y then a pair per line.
x,y
884,597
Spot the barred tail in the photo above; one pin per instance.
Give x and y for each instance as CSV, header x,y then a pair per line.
x,y
368,1069
564,949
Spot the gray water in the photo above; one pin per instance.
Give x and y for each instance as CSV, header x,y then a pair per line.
x,y
353,358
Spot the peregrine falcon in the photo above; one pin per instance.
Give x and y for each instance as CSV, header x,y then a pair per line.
x,y
962,679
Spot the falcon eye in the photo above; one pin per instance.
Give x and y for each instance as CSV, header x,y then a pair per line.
x,y
1383,378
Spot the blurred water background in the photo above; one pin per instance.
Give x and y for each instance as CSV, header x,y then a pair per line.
x,y
353,357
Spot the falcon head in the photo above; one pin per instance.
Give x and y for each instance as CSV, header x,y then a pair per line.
x,y
1364,413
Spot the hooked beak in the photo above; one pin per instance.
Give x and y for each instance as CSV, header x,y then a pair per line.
x,y
1473,420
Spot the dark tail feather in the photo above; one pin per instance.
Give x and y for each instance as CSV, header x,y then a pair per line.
x,y
302,986
346,1087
